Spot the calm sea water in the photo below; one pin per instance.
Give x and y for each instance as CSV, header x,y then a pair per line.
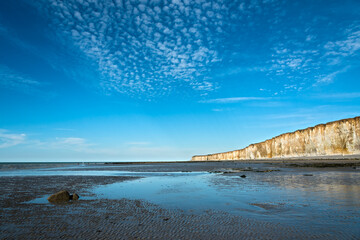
x,y
5,166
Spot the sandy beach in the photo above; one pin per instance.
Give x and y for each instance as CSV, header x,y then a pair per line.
x,y
25,214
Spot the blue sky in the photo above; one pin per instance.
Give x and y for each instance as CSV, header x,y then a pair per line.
x,y
117,80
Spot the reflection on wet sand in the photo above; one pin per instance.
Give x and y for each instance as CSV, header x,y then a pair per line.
x,y
343,186
293,203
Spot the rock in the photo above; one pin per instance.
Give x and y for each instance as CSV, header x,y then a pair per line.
x,y
62,196
243,176
75,197
308,175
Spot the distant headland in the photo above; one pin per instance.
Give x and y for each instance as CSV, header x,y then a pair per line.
x,y
338,138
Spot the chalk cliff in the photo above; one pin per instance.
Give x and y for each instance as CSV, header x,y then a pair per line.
x,y
334,138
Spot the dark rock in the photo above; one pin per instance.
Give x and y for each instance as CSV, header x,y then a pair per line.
x,y
62,196
243,176
166,219
75,197
308,175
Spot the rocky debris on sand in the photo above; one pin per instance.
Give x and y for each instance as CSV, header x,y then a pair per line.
x,y
267,170
62,196
238,170
74,197
325,164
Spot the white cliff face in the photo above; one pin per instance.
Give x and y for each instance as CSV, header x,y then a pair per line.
x,y
335,138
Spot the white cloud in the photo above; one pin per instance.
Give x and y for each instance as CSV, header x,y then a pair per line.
x,y
64,129
138,143
150,60
72,141
151,152
155,47
345,47
235,99
329,78
339,96
238,70
74,144
80,148
12,79
10,139
318,63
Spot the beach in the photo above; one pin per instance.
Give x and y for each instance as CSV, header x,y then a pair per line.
x,y
313,199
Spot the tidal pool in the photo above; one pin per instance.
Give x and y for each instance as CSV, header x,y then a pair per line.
x,y
307,202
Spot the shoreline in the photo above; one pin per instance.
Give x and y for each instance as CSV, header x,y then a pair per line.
x,y
331,159
98,217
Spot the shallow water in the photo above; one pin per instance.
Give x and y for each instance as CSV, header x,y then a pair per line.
x,y
315,209
322,201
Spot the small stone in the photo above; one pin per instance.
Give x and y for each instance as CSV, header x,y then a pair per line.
x,y
166,219
243,176
75,197
62,196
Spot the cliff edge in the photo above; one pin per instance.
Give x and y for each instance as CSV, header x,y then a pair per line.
x,y
334,138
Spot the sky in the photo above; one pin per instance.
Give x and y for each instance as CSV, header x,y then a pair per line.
x,y
128,80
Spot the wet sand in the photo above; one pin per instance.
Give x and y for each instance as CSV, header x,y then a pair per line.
x,y
95,217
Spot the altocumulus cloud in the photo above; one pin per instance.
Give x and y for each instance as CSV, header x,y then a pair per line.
x,y
154,47
143,46
312,60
